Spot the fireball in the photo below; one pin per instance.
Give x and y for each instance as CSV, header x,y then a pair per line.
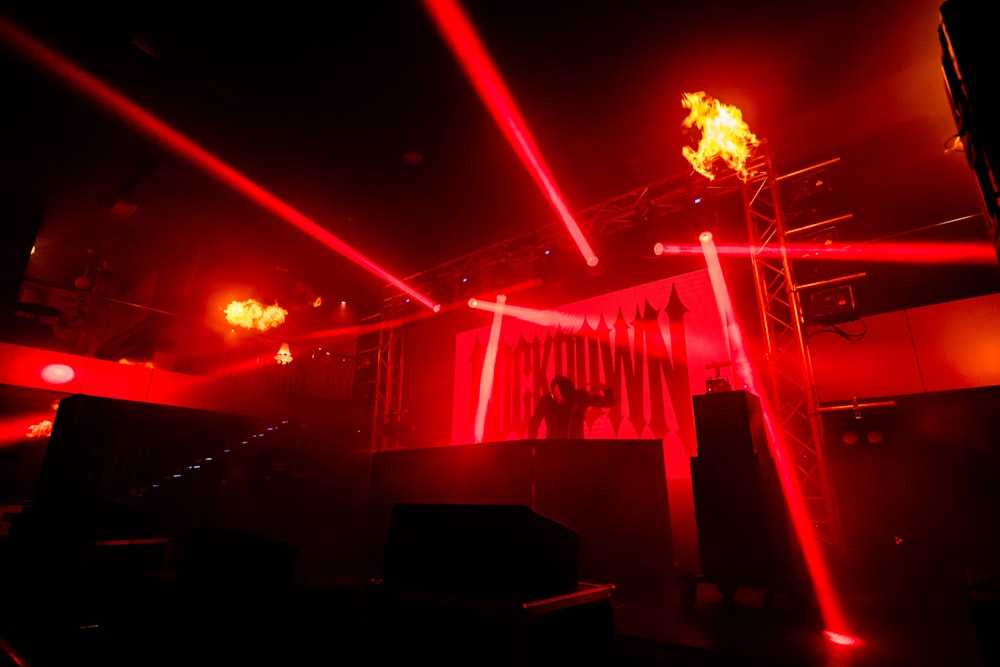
x,y
252,314
724,135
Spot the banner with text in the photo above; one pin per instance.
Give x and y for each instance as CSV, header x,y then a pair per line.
x,y
649,343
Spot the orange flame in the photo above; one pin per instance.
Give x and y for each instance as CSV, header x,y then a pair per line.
x,y
724,135
252,314
43,429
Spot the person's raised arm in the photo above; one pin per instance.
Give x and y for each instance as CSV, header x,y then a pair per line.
x,y
605,398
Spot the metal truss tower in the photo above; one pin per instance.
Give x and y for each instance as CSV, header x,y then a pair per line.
x,y
790,382
389,421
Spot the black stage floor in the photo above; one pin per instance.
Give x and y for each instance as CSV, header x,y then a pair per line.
x,y
751,630
655,630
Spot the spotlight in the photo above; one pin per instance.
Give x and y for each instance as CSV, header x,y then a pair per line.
x,y
830,306
718,382
469,285
547,265
860,424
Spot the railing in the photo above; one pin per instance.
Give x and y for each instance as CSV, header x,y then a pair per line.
x,y
86,324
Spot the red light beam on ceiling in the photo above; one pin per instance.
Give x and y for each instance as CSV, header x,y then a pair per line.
x,y
457,30
147,123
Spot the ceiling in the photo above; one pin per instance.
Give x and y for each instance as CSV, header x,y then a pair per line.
x,y
359,118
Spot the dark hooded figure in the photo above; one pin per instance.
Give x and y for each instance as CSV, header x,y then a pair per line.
x,y
563,409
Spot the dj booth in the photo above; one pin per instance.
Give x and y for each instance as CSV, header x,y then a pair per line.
x,y
611,493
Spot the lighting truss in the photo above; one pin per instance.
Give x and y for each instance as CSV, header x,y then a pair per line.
x,y
790,380
389,378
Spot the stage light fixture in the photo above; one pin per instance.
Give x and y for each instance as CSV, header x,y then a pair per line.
x,y
831,306
469,285
871,433
860,424
718,382
548,265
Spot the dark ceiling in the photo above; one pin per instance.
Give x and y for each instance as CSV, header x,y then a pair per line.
x,y
359,117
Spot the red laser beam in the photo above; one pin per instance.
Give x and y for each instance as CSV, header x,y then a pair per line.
x,y
144,121
901,253
819,572
458,32
565,322
486,380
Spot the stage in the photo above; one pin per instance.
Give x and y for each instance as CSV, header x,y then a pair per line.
x,y
661,630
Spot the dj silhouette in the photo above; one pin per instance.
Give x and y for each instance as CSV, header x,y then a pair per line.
x,y
564,408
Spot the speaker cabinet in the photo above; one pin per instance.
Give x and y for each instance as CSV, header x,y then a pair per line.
x,y
742,531
612,493
103,450
742,528
728,424
504,553
228,559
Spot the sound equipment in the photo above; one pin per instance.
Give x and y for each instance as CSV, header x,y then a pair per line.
x,y
504,553
728,424
104,451
214,559
742,528
611,493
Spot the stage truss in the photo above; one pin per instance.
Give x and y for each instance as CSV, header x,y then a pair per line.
x,y
788,381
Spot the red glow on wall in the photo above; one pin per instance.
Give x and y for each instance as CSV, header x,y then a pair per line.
x,y
149,124
842,639
12,431
16,429
460,35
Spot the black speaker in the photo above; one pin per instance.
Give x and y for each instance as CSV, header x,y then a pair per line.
x,y
743,536
729,423
503,553
228,559
983,595
742,531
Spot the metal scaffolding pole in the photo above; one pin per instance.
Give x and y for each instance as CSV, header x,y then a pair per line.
x,y
388,408
790,382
